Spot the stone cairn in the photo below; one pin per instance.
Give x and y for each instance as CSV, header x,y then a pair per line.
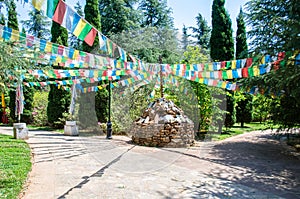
x,y
163,124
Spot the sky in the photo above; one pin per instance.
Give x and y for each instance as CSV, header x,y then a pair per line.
x,y
184,11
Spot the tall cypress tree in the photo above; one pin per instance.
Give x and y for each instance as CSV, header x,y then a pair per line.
x,y
221,40
222,47
241,37
92,106
244,102
58,99
202,32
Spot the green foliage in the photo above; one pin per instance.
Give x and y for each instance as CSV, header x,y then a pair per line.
x,y
202,32
37,24
195,55
40,103
12,16
149,43
101,105
117,16
58,103
243,107
283,36
15,164
241,37
156,13
281,16
230,118
261,107
221,40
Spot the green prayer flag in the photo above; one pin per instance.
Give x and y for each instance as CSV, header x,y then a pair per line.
x,y
250,72
224,74
85,31
51,6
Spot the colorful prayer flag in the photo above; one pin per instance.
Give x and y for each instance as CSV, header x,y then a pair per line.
x,y
60,12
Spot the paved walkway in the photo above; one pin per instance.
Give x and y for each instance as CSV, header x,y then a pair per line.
x,y
252,165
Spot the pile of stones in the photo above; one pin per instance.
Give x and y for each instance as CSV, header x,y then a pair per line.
x,y
163,124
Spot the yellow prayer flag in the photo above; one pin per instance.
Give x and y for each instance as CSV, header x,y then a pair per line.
x,y
229,74
48,48
76,54
201,80
210,67
37,4
100,87
15,35
118,72
256,71
224,84
233,64
81,24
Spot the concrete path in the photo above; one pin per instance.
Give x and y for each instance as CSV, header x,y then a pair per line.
x,y
252,165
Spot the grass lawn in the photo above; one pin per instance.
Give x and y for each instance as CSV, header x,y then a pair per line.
x,y
236,130
14,166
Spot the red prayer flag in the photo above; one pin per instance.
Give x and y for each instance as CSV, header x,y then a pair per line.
x,y
249,62
59,13
245,72
223,64
60,50
90,37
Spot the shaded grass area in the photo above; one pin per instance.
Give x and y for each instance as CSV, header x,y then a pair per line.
x,y
14,166
237,129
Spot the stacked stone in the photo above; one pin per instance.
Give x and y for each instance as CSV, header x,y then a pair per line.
x,y
163,124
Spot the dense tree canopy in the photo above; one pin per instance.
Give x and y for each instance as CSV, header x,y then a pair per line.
x,y
221,40
275,27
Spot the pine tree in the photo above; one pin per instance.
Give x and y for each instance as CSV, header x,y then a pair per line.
x,y
185,38
2,20
37,24
90,113
58,99
12,16
117,16
241,37
202,32
156,13
221,40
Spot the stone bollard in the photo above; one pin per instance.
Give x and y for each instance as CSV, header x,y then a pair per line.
x,y
20,131
71,128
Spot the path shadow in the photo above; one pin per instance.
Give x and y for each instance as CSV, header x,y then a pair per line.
x,y
263,165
